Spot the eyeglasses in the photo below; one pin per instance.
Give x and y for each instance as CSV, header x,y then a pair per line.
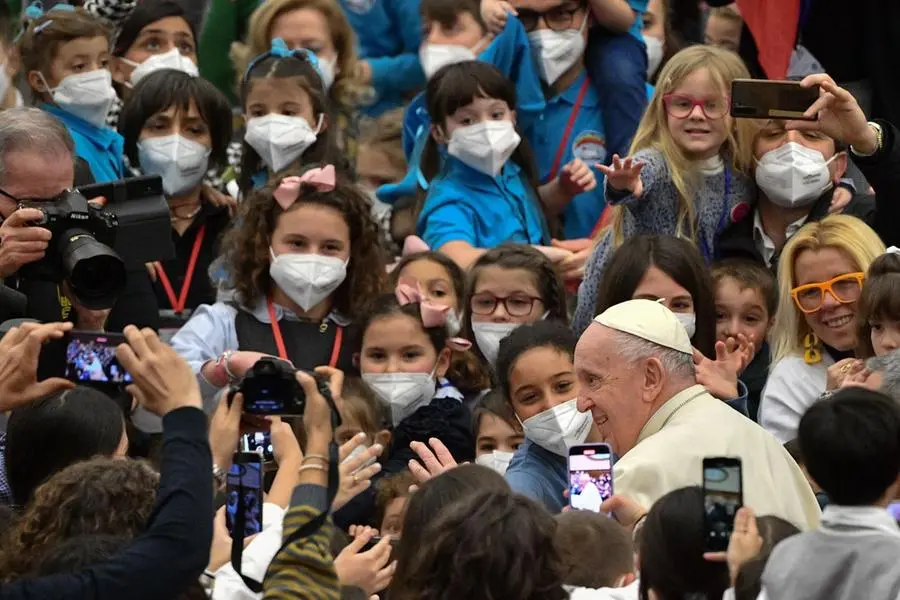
x,y
843,288
515,306
556,19
681,106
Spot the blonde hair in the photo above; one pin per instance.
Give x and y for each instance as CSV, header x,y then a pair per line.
x,y
385,134
653,132
347,89
847,234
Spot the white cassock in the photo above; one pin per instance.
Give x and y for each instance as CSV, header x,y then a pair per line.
x,y
588,499
692,425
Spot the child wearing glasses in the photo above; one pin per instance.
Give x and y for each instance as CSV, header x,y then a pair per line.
x,y
815,334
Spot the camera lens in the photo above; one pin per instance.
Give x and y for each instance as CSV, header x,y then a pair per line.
x,y
94,271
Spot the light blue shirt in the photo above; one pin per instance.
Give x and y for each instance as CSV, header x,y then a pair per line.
x,y
466,205
101,147
539,474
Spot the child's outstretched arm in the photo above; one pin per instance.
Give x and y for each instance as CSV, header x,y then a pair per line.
x,y
623,178
615,15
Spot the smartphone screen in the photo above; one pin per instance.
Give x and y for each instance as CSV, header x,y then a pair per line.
x,y
722,497
91,358
259,442
590,476
244,494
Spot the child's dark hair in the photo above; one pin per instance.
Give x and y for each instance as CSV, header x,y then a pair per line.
x,y
388,489
749,275
880,299
542,334
166,88
325,148
581,533
366,408
458,85
246,247
387,305
446,12
494,403
457,276
40,43
851,443
146,13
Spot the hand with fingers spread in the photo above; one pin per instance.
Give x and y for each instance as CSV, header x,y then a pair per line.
x,y
436,460
19,352
369,570
225,430
744,545
493,13
624,175
163,381
720,376
21,243
838,115
356,472
577,178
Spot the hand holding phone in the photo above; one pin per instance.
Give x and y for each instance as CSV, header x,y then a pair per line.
x,y
722,497
590,476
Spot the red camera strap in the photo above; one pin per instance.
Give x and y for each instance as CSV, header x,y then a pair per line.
x,y
279,340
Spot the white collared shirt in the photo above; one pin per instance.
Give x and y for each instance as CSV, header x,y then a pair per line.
x,y
764,243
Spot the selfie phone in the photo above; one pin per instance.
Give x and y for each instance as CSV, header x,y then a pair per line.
x,y
762,99
723,495
590,476
91,359
259,442
244,494
371,544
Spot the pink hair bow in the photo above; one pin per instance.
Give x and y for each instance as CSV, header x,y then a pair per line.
x,y
433,315
322,179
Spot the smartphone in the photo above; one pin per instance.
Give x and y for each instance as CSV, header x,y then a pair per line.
x,y
762,99
244,494
723,495
260,443
91,358
590,476
371,544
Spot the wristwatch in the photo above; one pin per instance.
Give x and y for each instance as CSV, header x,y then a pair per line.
x,y
879,141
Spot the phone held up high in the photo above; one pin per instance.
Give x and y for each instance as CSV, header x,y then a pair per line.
x,y
723,495
762,99
244,494
590,476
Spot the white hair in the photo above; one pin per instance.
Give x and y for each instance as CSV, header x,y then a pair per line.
x,y
632,348
35,130
889,367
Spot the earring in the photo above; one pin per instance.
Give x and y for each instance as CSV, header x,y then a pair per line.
x,y
812,354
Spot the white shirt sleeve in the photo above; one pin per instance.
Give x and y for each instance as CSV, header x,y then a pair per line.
x,y
792,387
255,560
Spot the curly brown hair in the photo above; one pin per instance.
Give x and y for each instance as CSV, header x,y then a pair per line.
x,y
246,246
98,496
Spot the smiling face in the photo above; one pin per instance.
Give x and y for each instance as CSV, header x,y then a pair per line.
x,y
540,379
398,344
740,310
697,134
434,280
835,323
519,289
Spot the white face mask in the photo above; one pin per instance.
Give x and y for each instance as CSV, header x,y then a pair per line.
x,y
793,175
485,146
307,279
654,54
405,393
558,428
88,96
173,59
689,320
488,336
496,460
179,161
278,139
328,71
436,56
557,51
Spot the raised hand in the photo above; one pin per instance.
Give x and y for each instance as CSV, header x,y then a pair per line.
x,y
720,376
19,351
577,178
493,13
838,115
624,175
435,460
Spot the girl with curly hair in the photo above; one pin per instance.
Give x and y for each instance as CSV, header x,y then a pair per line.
x,y
302,262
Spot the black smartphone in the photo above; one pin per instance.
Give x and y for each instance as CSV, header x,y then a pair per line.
x,y
259,442
244,494
723,495
762,99
91,359
371,544
590,476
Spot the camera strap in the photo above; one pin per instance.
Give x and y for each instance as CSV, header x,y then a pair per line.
x,y
334,480
179,302
282,349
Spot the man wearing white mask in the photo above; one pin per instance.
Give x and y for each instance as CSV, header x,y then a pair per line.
x,y
637,380
797,166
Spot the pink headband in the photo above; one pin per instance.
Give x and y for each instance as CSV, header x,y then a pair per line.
x,y
288,191
433,315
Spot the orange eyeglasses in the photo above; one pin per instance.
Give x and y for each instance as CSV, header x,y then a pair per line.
x,y
845,288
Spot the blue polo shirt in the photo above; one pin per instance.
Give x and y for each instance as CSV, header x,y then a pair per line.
x,y
101,148
466,205
539,474
586,140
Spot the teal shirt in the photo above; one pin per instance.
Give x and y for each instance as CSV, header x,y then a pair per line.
x,y
101,147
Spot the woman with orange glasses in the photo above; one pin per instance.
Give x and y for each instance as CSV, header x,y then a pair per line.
x,y
820,278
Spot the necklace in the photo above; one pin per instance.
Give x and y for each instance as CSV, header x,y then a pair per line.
x,y
176,217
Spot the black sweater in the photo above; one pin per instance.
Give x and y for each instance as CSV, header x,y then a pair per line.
x,y
174,549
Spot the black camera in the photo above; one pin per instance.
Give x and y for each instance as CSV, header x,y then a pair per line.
x,y
270,387
92,247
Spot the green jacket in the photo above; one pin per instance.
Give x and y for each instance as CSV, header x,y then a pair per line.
x,y
226,22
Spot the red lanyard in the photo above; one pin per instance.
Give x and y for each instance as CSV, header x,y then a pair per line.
x,y
178,303
279,341
567,133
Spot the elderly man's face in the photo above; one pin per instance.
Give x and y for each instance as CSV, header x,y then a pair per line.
x,y
619,394
30,175
773,136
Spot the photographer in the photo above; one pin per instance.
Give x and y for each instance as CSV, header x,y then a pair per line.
x,y
37,163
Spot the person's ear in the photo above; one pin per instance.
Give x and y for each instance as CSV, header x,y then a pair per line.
x,y
37,82
654,379
838,167
438,135
383,437
443,363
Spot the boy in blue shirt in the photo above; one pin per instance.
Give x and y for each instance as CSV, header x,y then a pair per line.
x,y
65,55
